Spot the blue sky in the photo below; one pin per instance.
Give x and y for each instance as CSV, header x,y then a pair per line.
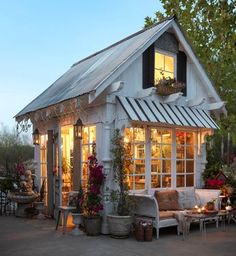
x,y
41,39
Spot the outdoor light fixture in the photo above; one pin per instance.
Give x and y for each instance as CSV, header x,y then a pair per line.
x,y
36,137
78,127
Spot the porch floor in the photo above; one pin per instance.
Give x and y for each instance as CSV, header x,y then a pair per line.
x,y
29,237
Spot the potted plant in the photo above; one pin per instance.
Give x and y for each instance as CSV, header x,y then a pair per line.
x,y
93,200
210,205
39,204
120,220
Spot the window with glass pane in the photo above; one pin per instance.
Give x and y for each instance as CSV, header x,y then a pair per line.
x,y
185,148
43,161
88,139
67,145
134,139
161,141
164,66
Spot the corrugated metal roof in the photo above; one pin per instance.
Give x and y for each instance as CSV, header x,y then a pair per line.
x,y
89,73
153,111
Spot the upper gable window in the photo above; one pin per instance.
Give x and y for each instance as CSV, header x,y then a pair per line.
x,y
158,62
164,65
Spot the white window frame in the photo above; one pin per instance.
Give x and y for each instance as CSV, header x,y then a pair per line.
x,y
43,164
83,181
133,174
195,147
173,173
161,174
171,54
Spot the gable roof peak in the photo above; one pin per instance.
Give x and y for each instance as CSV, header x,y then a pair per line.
x,y
125,39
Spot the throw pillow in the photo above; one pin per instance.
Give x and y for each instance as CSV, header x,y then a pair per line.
x,y
187,198
167,200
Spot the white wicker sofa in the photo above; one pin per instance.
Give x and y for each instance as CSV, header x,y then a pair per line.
x,y
147,207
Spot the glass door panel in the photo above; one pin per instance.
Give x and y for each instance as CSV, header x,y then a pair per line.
x,y
67,161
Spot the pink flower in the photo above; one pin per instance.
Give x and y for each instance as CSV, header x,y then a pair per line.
x,y
213,183
20,169
93,200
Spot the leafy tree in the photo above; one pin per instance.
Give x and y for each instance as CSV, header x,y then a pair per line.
x,y
214,158
13,150
211,27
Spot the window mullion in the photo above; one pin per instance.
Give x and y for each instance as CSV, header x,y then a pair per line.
x,y
148,160
173,159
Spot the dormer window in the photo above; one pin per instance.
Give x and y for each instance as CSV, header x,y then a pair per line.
x,y
158,61
164,66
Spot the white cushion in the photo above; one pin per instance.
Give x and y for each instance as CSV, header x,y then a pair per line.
x,y
187,198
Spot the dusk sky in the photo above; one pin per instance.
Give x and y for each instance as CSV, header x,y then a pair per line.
x,y
41,39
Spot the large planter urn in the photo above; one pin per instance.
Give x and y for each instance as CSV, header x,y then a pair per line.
x,y
93,225
77,220
119,226
40,207
24,200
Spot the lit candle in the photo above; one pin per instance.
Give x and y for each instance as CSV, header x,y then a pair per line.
x,y
196,207
199,210
228,208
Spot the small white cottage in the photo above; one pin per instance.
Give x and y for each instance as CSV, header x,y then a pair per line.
x,y
119,87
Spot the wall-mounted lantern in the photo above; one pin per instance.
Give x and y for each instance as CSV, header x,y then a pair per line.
x,y
78,128
36,137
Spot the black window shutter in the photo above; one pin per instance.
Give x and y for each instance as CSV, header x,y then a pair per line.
x,y
182,70
148,67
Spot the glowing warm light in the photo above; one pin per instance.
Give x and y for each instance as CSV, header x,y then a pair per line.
x,y
228,208
164,66
88,146
67,160
43,160
135,151
36,137
126,139
78,127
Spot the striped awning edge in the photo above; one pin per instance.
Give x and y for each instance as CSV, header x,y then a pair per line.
x,y
153,111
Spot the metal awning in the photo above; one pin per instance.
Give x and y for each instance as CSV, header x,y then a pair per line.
x,y
153,111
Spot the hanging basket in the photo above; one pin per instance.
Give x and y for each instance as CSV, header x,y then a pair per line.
x,y
165,90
